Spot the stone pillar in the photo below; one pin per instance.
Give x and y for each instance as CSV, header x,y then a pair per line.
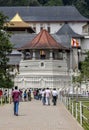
x,y
71,59
51,54
22,56
64,55
75,58
34,55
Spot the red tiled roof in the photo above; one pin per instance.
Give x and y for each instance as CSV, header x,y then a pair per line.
x,y
42,41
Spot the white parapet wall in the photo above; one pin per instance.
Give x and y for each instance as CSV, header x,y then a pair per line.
x,y
42,73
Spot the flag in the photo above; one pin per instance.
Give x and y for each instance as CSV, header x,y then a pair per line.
x,y
74,42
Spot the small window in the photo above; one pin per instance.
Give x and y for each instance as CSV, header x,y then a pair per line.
x,y
41,27
27,55
42,54
34,27
85,29
48,28
42,64
60,55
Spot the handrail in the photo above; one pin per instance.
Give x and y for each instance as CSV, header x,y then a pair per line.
x,y
73,108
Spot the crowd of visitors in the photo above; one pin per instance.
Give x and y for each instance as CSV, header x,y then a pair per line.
x,y
45,95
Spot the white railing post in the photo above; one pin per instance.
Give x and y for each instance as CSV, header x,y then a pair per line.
x,y
69,104
65,100
61,97
76,111
72,108
81,113
1,100
9,99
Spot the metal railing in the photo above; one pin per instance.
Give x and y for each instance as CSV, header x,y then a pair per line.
x,y
77,109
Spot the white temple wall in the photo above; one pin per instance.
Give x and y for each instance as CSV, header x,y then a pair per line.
x,y
35,75
85,43
77,27
54,27
37,81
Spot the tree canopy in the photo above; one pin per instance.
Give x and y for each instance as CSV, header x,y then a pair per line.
x,y
54,2
5,49
85,67
84,71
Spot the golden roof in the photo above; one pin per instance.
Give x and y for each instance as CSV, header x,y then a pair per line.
x,y
16,21
16,18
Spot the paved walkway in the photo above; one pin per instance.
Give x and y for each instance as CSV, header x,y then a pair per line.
x,y
34,116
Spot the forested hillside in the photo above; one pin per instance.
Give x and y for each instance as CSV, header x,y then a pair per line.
x,y
81,5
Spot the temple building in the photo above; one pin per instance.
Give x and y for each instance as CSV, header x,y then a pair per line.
x,y
43,63
48,43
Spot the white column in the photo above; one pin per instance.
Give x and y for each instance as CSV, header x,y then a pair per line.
x,y
33,57
51,54
71,59
22,56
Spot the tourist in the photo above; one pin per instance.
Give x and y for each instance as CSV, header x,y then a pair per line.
x,y
21,92
29,95
48,95
6,96
25,95
40,94
54,96
16,97
43,96
1,93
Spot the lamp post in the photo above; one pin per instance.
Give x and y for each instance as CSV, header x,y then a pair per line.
x,y
71,90
71,72
78,53
78,73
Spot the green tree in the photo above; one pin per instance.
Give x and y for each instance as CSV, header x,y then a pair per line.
x,y
5,49
33,3
85,68
68,2
83,75
83,7
43,2
54,2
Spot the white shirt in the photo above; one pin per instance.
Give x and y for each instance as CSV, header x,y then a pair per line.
x,y
54,93
48,92
43,93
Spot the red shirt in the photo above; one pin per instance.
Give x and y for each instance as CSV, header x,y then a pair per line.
x,y
1,93
16,95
